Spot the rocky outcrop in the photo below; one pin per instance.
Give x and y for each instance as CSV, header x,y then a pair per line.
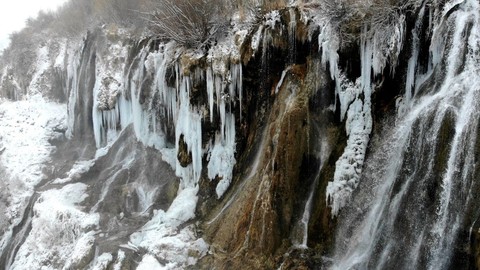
x,y
250,148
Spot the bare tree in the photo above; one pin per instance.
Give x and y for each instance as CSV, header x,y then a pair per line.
x,y
191,23
73,18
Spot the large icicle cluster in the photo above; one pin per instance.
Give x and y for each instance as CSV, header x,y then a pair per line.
x,y
154,91
225,84
355,98
358,127
120,99
108,83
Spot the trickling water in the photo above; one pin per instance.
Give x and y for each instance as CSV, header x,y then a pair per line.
x,y
410,209
413,61
306,216
292,27
300,240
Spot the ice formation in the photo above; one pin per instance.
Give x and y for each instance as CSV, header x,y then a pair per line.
x,y
355,101
222,156
119,101
58,224
452,103
155,94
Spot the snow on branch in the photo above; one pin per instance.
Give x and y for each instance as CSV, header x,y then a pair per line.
x,y
191,23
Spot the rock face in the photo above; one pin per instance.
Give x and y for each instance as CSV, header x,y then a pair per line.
x,y
183,155
267,196
277,148
281,171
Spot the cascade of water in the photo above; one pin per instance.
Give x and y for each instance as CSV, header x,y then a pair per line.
x,y
168,94
413,61
108,182
411,208
301,241
73,68
292,28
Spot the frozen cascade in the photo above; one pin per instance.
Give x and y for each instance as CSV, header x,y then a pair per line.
x,y
143,119
108,122
222,156
409,212
358,127
73,67
189,124
117,104
128,106
404,102
119,99
109,82
292,28
376,50
413,61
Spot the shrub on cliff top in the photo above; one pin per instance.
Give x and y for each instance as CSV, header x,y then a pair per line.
x,y
191,23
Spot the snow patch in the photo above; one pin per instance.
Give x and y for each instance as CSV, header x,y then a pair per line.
x,y
60,232
150,263
25,129
163,237
102,262
272,18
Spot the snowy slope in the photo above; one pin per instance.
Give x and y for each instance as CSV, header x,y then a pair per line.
x,y
25,129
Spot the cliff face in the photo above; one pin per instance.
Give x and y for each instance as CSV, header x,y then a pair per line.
x,y
279,146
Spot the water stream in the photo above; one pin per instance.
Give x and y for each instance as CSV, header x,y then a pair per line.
x,y
410,209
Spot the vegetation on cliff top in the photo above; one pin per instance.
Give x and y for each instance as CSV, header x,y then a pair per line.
x,y
193,23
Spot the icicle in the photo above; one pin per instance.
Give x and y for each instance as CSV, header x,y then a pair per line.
x,y
222,156
358,127
329,45
97,116
292,28
412,62
236,84
256,39
210,91
366,55
167,94
189,124
143,119
72,74
222,111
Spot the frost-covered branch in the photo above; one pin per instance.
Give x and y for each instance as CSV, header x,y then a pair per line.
x,y
190,23
350,17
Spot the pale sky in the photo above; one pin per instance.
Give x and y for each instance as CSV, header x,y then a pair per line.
x,y
14,13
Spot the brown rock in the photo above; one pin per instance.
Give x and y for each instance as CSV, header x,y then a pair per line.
x,y
184,156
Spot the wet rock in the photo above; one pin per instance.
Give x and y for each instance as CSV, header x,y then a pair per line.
x,y
184,156
264,208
